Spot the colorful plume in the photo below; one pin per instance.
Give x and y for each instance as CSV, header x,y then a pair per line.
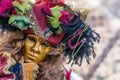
x,y
5,7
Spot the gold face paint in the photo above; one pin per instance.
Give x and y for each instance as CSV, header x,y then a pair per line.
x,y
35,49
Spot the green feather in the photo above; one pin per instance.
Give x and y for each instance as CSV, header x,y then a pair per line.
x,y
57,14
22,8
64,78
51,18
20,22
56,11
27,6
54,19
59,31
56,8
55,24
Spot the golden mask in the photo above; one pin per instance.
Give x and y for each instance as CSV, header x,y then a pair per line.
x,y
35,49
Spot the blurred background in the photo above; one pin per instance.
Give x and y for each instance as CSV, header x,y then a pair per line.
x,y
105,19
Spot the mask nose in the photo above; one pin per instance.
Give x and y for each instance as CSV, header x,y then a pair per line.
x,y
36,48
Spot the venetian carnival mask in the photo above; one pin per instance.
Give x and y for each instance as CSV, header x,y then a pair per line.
x,y
36,49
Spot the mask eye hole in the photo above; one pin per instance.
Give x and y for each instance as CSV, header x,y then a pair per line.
x,y
44,44
31,38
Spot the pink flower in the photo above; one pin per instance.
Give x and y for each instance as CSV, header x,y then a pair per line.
x,y
63,18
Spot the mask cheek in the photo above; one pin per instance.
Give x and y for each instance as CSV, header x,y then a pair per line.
x,y
48,49
28,45
40,58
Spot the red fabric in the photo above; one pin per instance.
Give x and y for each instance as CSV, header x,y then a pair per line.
x,y
28,31
54,39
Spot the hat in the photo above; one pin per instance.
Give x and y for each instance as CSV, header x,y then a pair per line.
x,y
56,22
44,23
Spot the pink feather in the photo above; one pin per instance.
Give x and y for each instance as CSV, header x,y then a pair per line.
x,y
67,73
5,5
3,76
64,16
47,9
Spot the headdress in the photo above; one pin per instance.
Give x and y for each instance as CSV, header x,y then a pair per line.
x,y
55,22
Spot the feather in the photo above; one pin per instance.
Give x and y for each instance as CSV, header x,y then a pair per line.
x,y
63,18
67,73
21,22
86,50
5,7
4,65
22,8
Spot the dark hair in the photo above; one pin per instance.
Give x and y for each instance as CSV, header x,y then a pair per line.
x,y
4,26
